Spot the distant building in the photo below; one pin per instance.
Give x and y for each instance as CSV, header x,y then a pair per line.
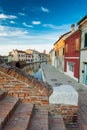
x,y
29,51
10,58
3,59
18,55
44,57
72,54
27,56
52,57
83,53
36,55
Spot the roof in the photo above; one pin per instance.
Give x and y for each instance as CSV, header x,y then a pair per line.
x,y
72,34
20,51
85,17
62,37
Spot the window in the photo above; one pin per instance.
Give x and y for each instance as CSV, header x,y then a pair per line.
x,y
66,48
71,66
85,45
56,53
76,44
63,51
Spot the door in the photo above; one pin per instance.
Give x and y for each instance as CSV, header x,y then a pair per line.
x,y
85,74
70,68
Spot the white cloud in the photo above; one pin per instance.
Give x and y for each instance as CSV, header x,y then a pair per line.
x,y
44,9
12,22
37,47
17,38
26,25
11,32
14,38
1,28
3,16
36,22
22,14
61,27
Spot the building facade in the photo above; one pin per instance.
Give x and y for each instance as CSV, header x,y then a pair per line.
x,y
52,57
59,49
72,54
18,55
83,53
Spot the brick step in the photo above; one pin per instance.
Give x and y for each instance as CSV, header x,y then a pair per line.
x,y
39,120
56,122
2,94
7,107
21,117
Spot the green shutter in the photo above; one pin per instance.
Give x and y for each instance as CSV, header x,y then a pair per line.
x,y
86,40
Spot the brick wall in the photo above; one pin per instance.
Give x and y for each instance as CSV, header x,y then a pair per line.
x,y
68,112
29,89
26,87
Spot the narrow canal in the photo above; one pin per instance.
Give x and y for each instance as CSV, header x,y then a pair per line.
x,y
38,74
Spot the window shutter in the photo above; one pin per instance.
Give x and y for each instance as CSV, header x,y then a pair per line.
x,y
66,48
76,44
85,40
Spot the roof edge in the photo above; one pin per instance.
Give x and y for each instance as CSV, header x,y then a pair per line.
x,y
62,37
82,19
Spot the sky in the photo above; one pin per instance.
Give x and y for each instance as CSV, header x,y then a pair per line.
x,y
37,24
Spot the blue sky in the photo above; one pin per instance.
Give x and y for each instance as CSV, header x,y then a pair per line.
x,y
36,24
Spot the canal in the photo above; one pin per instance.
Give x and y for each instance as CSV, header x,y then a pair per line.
x,y
38,74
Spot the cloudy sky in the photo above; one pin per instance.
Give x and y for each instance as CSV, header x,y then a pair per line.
x,y
36,24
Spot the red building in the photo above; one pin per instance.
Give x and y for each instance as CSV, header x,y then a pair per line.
x,y
72,54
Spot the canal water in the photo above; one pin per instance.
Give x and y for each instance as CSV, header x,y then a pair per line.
x,y
38,74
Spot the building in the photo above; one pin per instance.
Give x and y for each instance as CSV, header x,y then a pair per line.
x,y
3,59
10,58
72,54
52,57
59,49
18,55
29,58
44,57
83,53
34,53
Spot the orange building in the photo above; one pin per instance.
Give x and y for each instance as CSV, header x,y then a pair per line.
x,y
59,48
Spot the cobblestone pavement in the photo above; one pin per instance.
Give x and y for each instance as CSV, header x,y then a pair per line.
x,y
55,78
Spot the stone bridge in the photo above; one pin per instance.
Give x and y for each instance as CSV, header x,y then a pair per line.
x,y
35,65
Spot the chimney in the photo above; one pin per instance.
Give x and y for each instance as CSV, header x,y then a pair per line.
x,y
73,27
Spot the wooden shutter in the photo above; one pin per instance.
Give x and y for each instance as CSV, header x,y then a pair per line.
x,y
66,48
77,44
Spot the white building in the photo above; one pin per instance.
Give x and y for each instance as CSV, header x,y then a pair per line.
x,y
29,58
52,57
44,57
83,53
18,55
36,55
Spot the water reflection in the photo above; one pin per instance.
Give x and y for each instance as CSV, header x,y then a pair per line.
x,y
38,74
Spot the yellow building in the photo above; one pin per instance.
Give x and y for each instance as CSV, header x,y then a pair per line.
x,y
59,48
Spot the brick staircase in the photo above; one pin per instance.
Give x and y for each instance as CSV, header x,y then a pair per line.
x,y
15,115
